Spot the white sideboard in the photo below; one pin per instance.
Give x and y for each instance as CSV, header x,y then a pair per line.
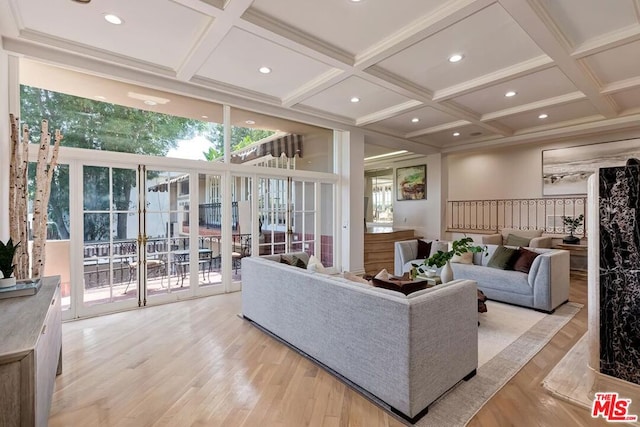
x,y
30,355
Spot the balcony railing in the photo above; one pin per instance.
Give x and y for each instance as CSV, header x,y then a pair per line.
x,y
490,216
210,215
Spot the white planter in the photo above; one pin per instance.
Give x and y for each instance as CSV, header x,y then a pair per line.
x,y
7,282
446,275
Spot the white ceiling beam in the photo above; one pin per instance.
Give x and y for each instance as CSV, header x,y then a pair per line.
x,y
294,39
607,41
600,126
203,6
399,85
621,85
545,103
533,65
436,129
389,112
447,15
211,38
537,23
315,86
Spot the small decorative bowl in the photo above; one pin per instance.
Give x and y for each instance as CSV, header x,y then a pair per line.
x,y
430,273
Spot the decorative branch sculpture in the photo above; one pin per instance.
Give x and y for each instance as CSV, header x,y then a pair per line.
x,y
18,195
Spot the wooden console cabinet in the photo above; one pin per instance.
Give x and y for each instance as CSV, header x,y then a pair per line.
x,y
30,355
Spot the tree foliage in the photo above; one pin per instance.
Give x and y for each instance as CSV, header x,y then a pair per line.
x,y
96,125
240,137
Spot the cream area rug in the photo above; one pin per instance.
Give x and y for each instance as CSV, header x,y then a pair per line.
x,y
508,337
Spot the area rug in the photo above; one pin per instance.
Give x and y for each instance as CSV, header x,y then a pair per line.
x,y
508,337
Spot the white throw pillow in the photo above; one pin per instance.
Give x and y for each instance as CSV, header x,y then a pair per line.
x,y
352,277
383,275
315,265
465,258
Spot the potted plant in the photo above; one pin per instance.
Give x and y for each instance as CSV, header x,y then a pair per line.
x,y
442,259
571,224
7,252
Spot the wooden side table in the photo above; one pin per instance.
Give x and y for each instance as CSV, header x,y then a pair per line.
x,y
578,255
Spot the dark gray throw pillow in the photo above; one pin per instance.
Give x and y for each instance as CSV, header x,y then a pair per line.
x,y
503,258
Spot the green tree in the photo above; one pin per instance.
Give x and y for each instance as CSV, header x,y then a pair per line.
x,y
96,125
240,138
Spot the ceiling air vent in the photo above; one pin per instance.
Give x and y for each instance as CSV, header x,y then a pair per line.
x,y
475,134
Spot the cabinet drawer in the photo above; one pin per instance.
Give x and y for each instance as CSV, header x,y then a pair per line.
x,y
46,354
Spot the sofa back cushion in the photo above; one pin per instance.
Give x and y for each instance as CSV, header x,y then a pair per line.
x,y
530,234
503,258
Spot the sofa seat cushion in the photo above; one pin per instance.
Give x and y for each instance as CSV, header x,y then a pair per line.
x,y
492,278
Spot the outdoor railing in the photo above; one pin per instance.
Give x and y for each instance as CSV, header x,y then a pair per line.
x,y
491,216
211,215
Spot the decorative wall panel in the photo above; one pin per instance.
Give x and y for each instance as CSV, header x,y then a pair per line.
x,y
619,207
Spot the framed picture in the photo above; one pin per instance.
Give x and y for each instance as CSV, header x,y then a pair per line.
x,y
566,170
411,183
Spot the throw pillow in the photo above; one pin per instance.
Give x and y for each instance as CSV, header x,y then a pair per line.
x,y
350,276
465,258
513,240
382,275
404,286
524,260
424,249
293,260
315,265
502,258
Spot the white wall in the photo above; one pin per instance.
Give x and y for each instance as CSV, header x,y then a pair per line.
x,y
317,152
424,216
514,172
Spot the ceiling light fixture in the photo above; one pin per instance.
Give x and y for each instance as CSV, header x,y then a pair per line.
x,y
113,19
510,93
456,134
355,99
100,97
356,1
455,58
144,97
150,102
543,116
382,156
265,70
205,117
250,122
415,120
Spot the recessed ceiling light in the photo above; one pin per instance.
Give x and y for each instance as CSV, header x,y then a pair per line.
x,y
113,19
415,120
205,117
543,116
146,97
456,134
100,97
510,94
356,1
355,99
265,70
250,122
150,102
455,58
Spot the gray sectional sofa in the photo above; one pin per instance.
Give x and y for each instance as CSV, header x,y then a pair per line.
x,y
402,351
544,288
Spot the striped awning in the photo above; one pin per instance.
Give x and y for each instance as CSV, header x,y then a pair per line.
x,y
289,145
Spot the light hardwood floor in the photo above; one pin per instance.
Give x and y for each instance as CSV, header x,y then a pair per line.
x,y
195,363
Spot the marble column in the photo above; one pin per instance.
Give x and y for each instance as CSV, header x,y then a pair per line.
x,y
619,272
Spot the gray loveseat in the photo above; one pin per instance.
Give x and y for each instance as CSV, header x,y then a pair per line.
x,y
403,351
544,288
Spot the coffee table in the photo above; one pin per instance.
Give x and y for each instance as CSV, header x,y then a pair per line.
x,y
436,280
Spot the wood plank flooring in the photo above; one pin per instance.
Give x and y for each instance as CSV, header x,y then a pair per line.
x,y
195,363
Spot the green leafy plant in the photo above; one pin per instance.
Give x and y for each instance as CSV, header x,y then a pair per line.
x,y
440,258
7,252
572,223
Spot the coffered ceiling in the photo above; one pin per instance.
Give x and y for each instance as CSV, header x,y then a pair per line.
x,y
574,65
